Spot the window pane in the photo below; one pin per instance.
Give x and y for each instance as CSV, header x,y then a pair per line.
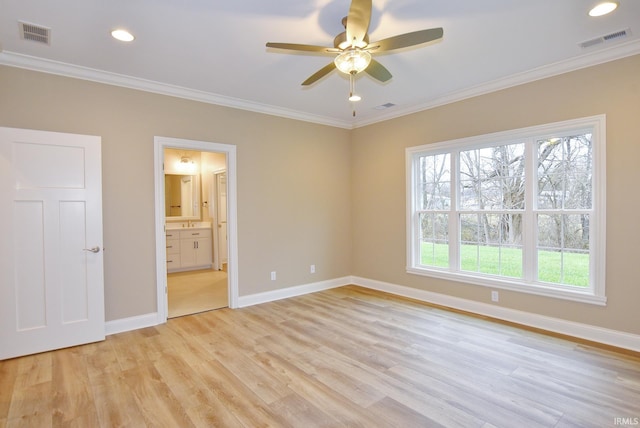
x,y
563,249
565,172
491,244
493,178
434,182
434,240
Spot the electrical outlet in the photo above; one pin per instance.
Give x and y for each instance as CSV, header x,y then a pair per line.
x,y
273,275
495,296
312,269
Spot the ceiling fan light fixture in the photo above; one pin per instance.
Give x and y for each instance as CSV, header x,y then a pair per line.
x,y
354,97
352,60
603,8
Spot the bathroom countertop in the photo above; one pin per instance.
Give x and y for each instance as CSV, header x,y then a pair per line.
x,y
183,225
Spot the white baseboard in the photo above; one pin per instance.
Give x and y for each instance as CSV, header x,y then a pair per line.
x,y
605,336
132,323
593,333
270,296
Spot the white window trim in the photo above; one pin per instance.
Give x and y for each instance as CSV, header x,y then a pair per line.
x,y
596,293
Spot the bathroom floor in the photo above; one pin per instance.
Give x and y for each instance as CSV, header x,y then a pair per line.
x,y
196,291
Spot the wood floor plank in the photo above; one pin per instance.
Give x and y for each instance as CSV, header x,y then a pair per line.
x,y
31,406
433,407
391,413
318,394
8,374
115,403
156,403
342,357
301,413
73,401
239,399
480,401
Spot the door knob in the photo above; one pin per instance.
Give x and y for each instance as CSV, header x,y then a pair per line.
x,y
95,249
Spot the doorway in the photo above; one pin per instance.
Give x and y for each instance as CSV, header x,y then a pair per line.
x,y
195,211
196,282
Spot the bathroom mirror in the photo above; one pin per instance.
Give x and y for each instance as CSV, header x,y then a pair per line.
x,y
181,197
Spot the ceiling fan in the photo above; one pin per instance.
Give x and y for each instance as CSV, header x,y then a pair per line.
x,y
354,50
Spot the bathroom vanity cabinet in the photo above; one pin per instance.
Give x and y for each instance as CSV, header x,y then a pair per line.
x,y
189,249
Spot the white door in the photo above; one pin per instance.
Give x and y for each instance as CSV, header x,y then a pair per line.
x,y
221,216
51,264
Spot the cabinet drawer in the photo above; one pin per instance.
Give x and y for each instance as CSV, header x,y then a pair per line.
x,y
188,234
173,246
173,261
175,234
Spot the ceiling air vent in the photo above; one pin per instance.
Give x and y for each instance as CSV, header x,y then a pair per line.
x,y
384,106
617,35
36,33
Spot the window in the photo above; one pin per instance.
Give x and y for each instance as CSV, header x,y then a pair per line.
x,y
521,210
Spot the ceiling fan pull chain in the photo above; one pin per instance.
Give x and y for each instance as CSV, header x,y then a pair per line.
x,y
352,91
352,85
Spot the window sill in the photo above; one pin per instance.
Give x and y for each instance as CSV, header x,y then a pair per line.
x,y
513,285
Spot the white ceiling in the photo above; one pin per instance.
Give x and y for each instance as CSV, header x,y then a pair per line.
x,y
214,51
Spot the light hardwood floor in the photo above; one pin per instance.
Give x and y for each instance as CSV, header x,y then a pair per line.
x,y
196,291
342,357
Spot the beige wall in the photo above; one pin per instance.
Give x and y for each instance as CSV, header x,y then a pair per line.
x,y
378,183
293,205
332,197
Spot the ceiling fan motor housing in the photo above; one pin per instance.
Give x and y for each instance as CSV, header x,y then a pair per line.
x,y
341,42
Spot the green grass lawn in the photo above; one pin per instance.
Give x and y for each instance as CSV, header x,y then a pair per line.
x,y
508,262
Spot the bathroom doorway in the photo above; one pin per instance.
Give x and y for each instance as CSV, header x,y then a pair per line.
x,y
196,269
195,213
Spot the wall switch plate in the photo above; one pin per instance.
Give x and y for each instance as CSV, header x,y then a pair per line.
x,y
273,275
312,269
495,297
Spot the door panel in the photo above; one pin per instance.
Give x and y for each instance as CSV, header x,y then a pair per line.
x,y
44,166
28,249
51,287
73,261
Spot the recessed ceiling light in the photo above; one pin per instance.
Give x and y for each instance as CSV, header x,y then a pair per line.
x,y
122,35
603,8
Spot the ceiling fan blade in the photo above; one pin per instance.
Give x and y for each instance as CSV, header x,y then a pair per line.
x,y
378,71
302,48
408,39
358,21
320,74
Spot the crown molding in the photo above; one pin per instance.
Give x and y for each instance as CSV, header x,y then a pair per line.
x,y
17,60
619,51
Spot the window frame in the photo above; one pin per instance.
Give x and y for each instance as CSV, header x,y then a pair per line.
x,y
595,292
